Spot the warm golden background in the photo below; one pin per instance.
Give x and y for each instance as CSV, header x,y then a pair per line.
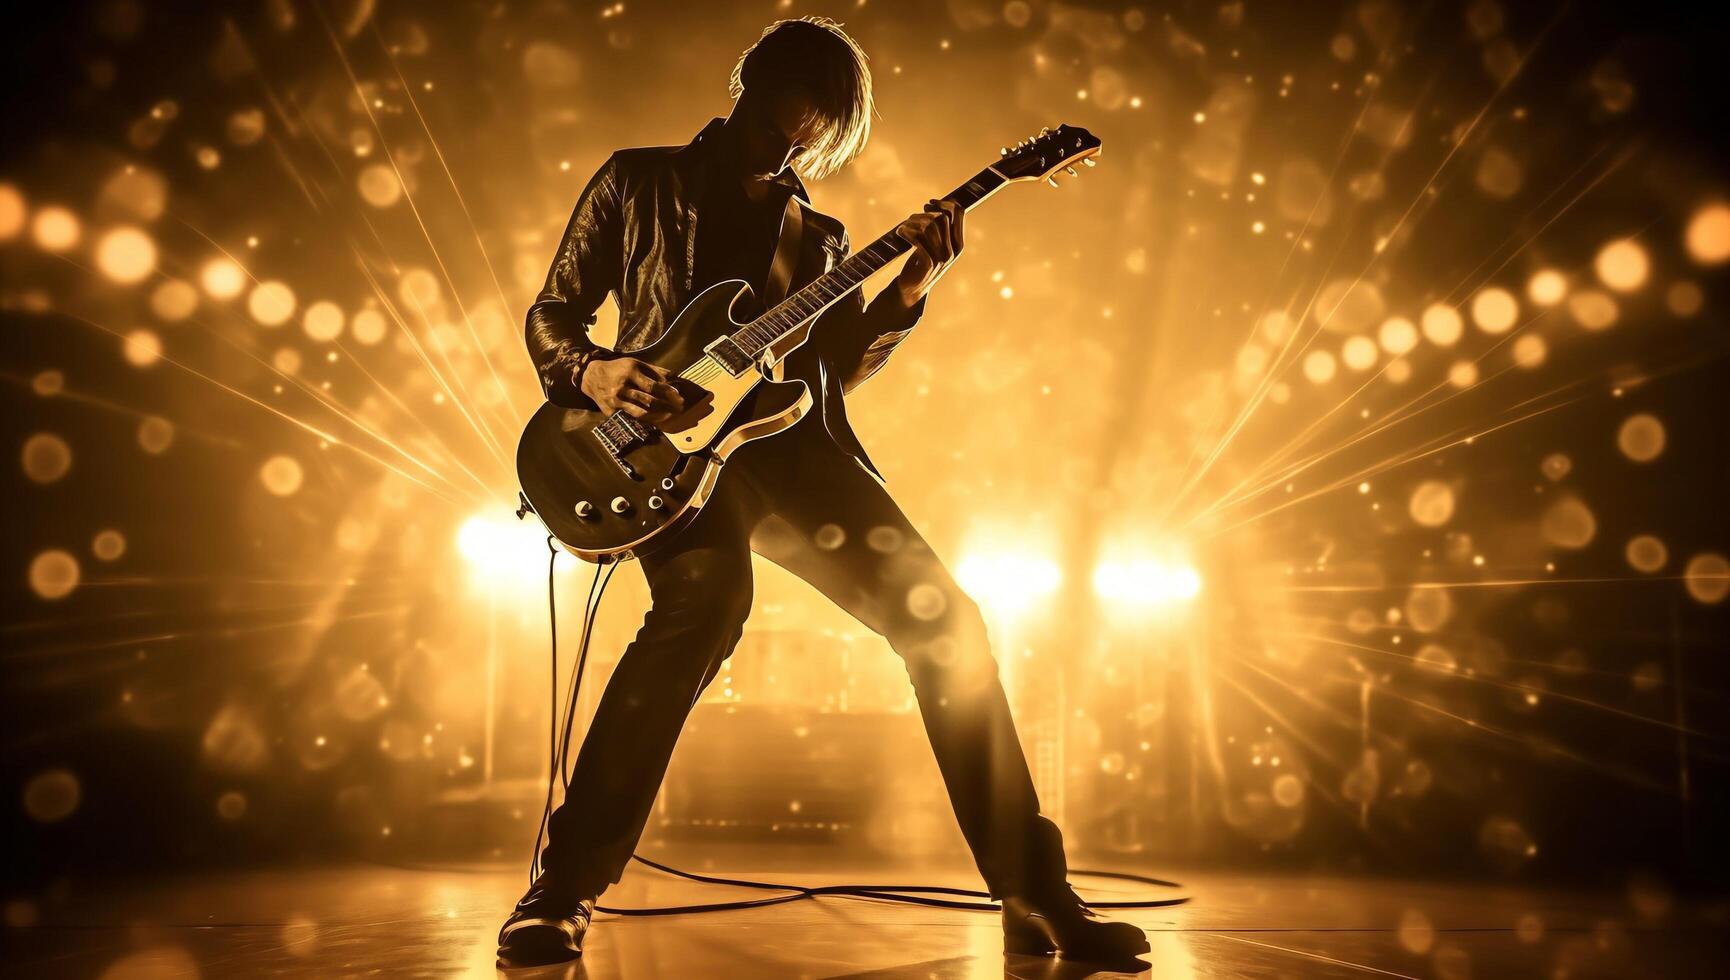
x,y
1341,463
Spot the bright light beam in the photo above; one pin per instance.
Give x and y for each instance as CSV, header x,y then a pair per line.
x,y
502,552
1008,583
1145,583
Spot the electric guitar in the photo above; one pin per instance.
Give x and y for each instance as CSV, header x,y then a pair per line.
x,y
609,486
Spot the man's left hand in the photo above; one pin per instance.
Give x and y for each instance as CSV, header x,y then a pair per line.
x,y
936,237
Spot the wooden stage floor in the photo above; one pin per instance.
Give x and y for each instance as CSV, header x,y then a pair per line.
x,y
372,920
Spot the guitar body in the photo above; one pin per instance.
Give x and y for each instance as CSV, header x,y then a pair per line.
x,y
608,492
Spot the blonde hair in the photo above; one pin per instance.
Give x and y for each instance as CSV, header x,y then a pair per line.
x,y
814,57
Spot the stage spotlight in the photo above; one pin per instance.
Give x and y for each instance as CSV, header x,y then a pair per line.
x,y
1146,583
1007,583
503,551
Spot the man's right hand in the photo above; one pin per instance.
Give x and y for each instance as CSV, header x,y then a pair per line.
x,y
637,388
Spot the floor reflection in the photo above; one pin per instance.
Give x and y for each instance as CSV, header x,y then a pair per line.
x,y
400,922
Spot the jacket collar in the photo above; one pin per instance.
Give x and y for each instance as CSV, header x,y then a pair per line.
x,y
703,144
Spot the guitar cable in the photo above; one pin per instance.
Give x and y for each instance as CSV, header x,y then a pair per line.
x,y
558,751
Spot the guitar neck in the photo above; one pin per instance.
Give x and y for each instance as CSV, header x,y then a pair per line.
x,y
831,287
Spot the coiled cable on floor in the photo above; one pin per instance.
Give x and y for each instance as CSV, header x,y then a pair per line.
x,y
558,758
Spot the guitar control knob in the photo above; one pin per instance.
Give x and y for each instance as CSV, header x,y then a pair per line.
x,y
620,505
667,484
655,502
585,510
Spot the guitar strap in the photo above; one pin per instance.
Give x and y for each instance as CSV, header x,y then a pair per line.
x,y
786,258
786,253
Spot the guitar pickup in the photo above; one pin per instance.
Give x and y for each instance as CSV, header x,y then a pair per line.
x,y
725,351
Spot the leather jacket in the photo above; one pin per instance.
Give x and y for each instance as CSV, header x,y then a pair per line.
x,y
633,235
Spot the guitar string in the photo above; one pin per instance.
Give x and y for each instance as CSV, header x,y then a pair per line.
x,y
774,324
760,333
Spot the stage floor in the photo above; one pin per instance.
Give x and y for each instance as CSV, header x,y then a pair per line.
x,y
391,921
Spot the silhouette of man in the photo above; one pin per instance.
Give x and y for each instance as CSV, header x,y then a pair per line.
x,y
653,227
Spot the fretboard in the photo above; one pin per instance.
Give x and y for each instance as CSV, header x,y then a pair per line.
x,y
825,291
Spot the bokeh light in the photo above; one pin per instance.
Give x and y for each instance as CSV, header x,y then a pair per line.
x,y
1622,265
1530,351
222,278
1708,234
231,805
1495,310
155,434
1428,607
1398,335
1647,554
1593,309
1547,287
108,545
133,194
271,303
281,475
1685,298
246,126
173,300
379,186
56,229
54,574
48,383
1568,523
51,796
1320,366
142,348
46,458
1432,503
1641,437
1708,577
1442,325
125,255
13,212
323,321
1359,353
368,327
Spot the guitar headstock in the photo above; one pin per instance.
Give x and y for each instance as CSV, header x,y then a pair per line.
x,y
1041,157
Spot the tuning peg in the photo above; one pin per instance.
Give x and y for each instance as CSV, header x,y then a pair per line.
x,y
1052,181
1071,171
1090,162
1044,129
1003,151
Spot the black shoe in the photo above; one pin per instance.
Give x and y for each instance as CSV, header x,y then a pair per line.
x,y
1058,922
1044,915
547,926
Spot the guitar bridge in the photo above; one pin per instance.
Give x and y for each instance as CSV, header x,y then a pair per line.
x,y
618,434
725,351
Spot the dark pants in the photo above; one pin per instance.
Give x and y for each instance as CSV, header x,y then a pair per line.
x,y
798,500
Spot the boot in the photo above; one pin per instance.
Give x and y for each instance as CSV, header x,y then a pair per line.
x,y
1060,923
547,926
1044,915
